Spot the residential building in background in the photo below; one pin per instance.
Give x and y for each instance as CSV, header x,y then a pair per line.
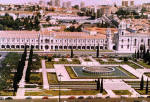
x,y
127,3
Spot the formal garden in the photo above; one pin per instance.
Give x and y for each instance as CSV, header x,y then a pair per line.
x,y
82,75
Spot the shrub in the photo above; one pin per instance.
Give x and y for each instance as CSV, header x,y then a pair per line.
x,y
63,59
120,58
45,57
50,59
125,59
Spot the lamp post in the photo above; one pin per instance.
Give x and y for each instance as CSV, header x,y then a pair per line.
x,y
59,86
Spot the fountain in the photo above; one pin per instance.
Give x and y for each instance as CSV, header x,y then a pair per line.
x,y
98,70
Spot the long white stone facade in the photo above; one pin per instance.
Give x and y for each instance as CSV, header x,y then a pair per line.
x,y
50,40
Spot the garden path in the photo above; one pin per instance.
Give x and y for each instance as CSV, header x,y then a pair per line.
x,y
44,73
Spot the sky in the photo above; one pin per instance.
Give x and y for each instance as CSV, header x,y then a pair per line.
x,y
87,2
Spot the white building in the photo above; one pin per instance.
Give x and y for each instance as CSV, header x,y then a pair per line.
x,y
128,40
51,40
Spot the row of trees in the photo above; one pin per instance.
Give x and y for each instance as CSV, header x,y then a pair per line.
x,y
143,54
97,52
73,29
29,23
99,85
142,85
18,75
122,13
20,68
7,65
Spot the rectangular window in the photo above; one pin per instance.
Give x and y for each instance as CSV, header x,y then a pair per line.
x,y
128,47
121,46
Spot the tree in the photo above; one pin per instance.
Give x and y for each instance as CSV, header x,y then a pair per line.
x,y
71,51
15,83
79,28
135,55
50,59
147,55
146,90
76,6
125,59
97,84
144,54
142,83
97,53
138,54
28,72
101,88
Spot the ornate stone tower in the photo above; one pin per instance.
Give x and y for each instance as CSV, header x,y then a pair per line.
x,y
109,39
122,28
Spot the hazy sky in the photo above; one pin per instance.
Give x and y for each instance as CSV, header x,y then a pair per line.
x,y
88,2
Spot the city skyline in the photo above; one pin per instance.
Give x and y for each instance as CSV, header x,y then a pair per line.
x,y
87,2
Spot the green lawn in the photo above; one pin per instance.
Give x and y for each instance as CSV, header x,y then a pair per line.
x,y
52,78
122,92
143,64
6,93
142,92
111,61
71,72
36,78
49,64
65,61
87,60
67,92
147,74
133,65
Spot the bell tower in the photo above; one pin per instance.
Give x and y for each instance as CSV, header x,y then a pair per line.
x,y
109,39
122,28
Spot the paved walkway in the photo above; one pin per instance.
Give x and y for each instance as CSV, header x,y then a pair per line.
x,y
111,93
93,62
44,73
135,72
137,64
21,89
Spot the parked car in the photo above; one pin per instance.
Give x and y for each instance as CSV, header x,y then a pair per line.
x,y
28,97
107,97
80,97
148,96
90,97
1,98
72,97
45,97
8,98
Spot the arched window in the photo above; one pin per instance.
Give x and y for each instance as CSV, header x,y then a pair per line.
x,y
8,46
142,40
46,40
46,47
128,40
122,40
148,42
3,46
